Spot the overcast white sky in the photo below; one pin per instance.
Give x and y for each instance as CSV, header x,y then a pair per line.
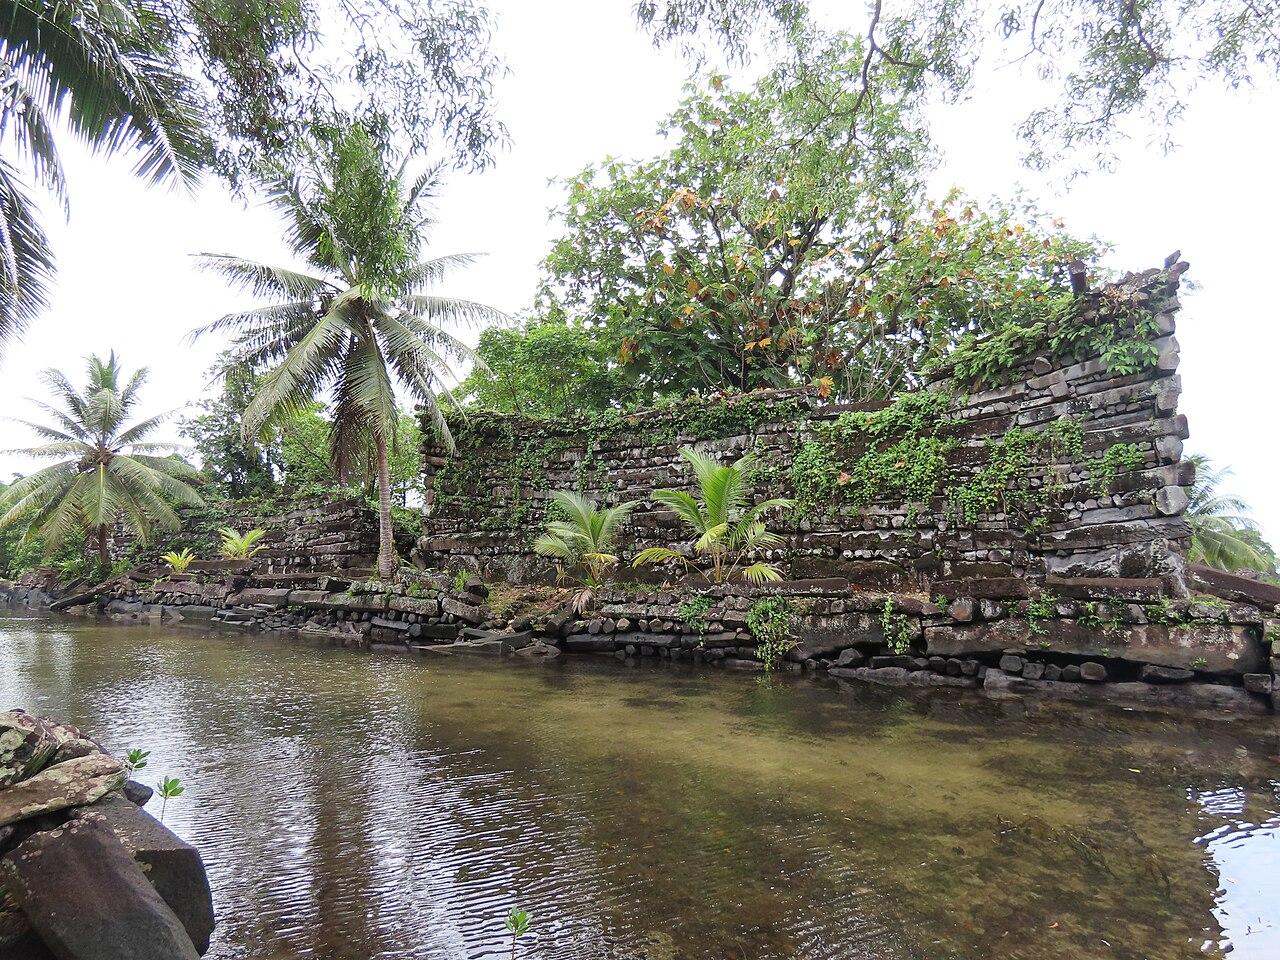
x,y
585,84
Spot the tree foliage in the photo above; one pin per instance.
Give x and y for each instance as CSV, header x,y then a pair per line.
x,y
236,467
106,470
544,369
581,538
777,243
1223,534
110,71
1104,62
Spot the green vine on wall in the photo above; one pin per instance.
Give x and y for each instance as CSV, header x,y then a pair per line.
x,y
501,461
1120,332
693,612
896,627
769,621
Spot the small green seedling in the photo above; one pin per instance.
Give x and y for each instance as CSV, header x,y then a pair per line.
x,y
169,788
135,760
517,924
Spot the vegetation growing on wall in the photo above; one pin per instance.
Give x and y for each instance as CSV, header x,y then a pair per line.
x,y
521,450
901,452
770,621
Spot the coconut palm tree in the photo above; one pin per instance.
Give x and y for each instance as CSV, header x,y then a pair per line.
x,y
1223,535
581,538
106,471
108,69
726,529
360,322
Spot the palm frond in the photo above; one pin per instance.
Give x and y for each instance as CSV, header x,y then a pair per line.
x,y
26,259
266,280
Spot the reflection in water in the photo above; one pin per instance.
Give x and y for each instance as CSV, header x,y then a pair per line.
x,y
353,806
1246,858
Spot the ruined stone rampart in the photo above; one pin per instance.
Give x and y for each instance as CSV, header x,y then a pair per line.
x,y
1085,430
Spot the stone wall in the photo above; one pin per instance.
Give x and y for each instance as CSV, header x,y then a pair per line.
x,y
487,502
1132,646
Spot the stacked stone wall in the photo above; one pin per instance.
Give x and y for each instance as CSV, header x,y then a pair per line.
x,y
487,502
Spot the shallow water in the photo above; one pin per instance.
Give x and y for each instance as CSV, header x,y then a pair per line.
x,y
375,806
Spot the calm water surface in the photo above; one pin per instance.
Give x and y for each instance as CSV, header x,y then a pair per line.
x,y
362,806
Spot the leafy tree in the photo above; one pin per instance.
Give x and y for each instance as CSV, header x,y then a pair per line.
x,y
581,539
545,369
110,70
419,74
774,245
107,472
236,466
726,528
361,323
1108,61
1223,535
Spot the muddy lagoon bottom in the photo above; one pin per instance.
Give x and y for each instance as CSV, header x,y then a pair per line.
x,y
363,806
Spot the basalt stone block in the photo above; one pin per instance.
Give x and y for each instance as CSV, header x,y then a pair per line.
x,y
1154,673
1106,588
1011,664
463,611
592,643
1258,682
1093,672
269,596
1208,698
27,743
992,588
173,866
73,783
1033,670
138,793
1231,586
422,606
850,657
87,898
961,610
963,639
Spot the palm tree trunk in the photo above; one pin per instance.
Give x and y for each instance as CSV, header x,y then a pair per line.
x,y
104,559
387,559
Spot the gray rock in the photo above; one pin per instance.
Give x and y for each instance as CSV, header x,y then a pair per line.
x,y
88,899
1033,670
1011,664
1258,682
1093,672
850,658
173,866
538,649
961,610
1154,673
138,793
